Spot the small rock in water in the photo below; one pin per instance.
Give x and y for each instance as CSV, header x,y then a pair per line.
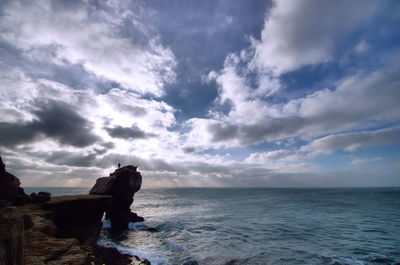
x,y
152,229
134,218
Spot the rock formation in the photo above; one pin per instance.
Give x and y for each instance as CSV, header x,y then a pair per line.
x,y
62,229
9,184
121,185
12,236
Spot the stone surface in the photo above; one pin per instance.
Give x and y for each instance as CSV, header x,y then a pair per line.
x,y
103,186
12,236
9,184
121,185
64,231
44,193
78,216
111,256
44,249
36,198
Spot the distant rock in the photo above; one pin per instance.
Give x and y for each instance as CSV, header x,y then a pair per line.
x,y
37,198
121,185
44,193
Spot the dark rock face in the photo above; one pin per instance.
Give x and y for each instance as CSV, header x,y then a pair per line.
x,y
111,256
61,230
38,198
78,216
121,185
12,236
9,184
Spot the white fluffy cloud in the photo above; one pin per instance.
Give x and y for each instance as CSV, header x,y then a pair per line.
x,y
359,161
121,123
78,33
352,141
298,33
357,102
361,47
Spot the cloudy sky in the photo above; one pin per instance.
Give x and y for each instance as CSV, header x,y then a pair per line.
x,y
201,93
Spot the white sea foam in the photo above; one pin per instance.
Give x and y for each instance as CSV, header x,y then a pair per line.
x,y
153,257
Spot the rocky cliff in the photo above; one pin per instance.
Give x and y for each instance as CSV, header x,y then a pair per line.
x,y
39,229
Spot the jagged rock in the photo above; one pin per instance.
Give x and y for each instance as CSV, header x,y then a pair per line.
x,y
9,184
76,219
12,236
78,216
30,233
103,186
21,191
4,204
35,198
122,185
44,193
21,199
152,229
111,256
28,223
134,218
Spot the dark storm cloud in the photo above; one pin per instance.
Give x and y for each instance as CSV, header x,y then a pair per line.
x,y
76,159
271,129
13,134
189,149
255,133
133,132
108,145
56,120
223,132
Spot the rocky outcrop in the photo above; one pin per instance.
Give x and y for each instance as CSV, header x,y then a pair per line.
x,y
78,216
9,184
75,219
11,191
121,185
42,229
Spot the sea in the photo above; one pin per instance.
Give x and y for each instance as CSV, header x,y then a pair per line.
x,y
260,225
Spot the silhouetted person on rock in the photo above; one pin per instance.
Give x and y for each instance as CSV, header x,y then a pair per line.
x,y
119,165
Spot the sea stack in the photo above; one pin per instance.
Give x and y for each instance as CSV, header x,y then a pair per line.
x,y
121,185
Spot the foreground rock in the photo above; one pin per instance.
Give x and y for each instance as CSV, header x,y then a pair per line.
x,y
61,231
75,219
121,185
40,229
12,236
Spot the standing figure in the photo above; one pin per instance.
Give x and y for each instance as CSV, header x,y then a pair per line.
x,y
119,165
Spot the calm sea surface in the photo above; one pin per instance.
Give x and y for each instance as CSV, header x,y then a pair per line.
x,y
262,226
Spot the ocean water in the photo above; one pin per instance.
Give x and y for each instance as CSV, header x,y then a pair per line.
x,y
263,226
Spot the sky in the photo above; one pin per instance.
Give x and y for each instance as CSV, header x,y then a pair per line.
x,y
201,93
